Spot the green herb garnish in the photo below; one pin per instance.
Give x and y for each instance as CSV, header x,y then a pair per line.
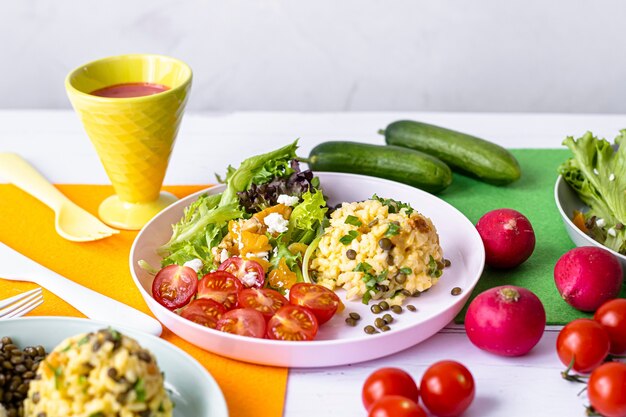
x,y
58,374
362,267
406,270
433,271
82,341
346,239
366,297
393,230
353,220
98,414
140,390
394,205
66,348
115,334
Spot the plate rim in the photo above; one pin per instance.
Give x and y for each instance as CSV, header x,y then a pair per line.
x,y
218,398
480,252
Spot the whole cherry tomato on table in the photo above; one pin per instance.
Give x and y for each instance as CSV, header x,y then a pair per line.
x,y
585,341
612,316
396,406
447,389
174,286
607,389
388,381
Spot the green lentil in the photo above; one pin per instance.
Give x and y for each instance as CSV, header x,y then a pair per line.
x,y
379,322
400,278
411,307
385,328
456,291
388,319
396,309
416,294
370,329
384,305
350,321
355,316
375,309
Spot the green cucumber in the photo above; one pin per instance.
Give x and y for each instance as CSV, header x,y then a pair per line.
x,y
391,162
463,153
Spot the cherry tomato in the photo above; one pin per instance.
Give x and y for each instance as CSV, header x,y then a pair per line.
x,y
204,312
174,286
293,323
265,301
320,300
447,389
250,273
586,341
388,381
222,287
612,316
244,322
396,406
607,389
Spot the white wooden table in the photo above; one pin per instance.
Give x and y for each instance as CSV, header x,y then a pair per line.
x,y
56,144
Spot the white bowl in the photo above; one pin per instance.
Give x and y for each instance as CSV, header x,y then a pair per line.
x,y
567,201
336,343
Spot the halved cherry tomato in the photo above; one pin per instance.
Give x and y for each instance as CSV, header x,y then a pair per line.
x,y
396,406
250,273
244,322
320,300
265,301
388,381
585,341
204,312
222,287
293,323
174,286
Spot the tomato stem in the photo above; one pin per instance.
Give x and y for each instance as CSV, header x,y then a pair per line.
x,y
566,375
615,358
590,411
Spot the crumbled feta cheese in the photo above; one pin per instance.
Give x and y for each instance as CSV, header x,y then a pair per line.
x,y
249,279
275,223
195,264
612,232
595,171
612,177
288,200
224,255
600,223
257,254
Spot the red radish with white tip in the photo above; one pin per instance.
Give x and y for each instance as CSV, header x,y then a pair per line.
x,y
508,237
505,320
586,277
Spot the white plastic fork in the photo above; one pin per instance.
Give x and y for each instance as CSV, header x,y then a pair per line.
x,y
21,304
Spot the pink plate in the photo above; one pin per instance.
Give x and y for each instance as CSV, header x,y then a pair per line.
x,y
336,342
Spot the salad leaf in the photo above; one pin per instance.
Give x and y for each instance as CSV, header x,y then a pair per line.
x,y
272,169
307,217
241,179
597,172
293,261
261,196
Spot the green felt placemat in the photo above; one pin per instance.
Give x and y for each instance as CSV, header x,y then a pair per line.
x,y
533,196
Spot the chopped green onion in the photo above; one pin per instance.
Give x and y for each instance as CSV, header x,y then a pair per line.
x,y
406,270
140,390
394,205
393,230
352,234
353,220
366,297
84,340
362,267
382,276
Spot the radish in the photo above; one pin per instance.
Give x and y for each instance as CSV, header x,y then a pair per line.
x,y
508,237
505,320
586,277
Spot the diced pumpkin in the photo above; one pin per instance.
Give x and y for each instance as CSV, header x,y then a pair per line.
x,y
254,243
579,221
297,247
282,209
282,276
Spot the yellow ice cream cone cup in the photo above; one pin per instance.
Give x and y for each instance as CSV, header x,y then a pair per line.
x,y
133,136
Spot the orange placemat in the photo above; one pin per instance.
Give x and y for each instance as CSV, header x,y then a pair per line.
x,y
27,226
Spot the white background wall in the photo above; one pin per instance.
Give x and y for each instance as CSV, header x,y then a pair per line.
x,y
333,55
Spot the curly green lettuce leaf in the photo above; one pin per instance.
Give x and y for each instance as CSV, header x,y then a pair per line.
x,y
597,172
307,217
242,178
